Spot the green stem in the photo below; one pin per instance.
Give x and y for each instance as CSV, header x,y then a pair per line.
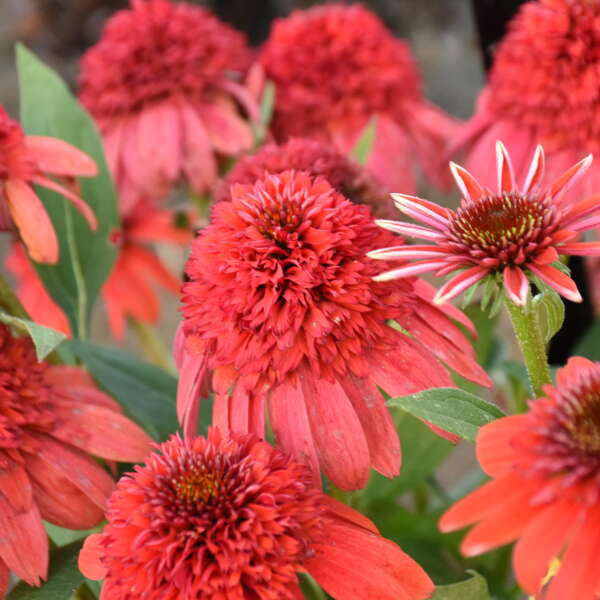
x,y
9,301
529,335
153,346
311,589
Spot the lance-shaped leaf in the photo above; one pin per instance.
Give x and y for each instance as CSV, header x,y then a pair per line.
x,y
474,588
362,149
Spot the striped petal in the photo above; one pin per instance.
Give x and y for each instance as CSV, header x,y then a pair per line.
x,y
506,176
562,283
536,171
423,211
409,270
410,230
459,284
571,176
467,184
516,285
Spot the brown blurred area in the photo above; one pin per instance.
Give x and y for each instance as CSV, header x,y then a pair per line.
x,y
441,33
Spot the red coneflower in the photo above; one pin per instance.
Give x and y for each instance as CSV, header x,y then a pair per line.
x,y
314,157
515,233
544,88
51,419
128,291
163,85
545,488
28,160
232,517
281,305
336,66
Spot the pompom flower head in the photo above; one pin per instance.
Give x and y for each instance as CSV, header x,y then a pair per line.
x,y
281,309
545,487
229,516
51,417
27,160
514,233
544,88
161,84
129,290
334,68
314,157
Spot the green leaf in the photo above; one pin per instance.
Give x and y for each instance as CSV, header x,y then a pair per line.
x,y
452,409
472,589
146,392
44,339
362,149
550,312
267,104
589,345
86,257
64,577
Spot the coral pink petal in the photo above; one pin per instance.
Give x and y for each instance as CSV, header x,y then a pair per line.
x,y
571,371
89,395
4,579
289,421
68,375
469,187
14,485
543,540
81,470
562,283
89,562
100,431
149,263
339,437
516,285
59,500
32,221
159,226
570,177
76,201
459,283
345,512
536,171
198,160
579,576
495,451
24,543
55,156
228,133
581,249
506,176
192,371
546,256
377,424
354,564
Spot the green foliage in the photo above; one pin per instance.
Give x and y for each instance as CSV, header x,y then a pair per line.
x,y
474,588
267,105
452,409
64,578
44,339
589,345
364,145
550,311
86,257
146,392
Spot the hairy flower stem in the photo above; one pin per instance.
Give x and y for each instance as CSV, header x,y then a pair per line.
x,y
153,346
527,330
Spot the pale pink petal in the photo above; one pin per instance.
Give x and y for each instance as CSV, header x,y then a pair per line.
x,y
408,252
228,132
32,221
425,266
562,283
459,283
57,157
516,285
410,229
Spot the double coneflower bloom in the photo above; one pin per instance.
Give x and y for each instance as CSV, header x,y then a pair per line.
x,y
28,160
516,233
229,516
281,316
337,66
545,488
52,418
164,85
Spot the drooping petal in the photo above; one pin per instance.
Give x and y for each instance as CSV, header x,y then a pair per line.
x,y
228,132
495,444
459,283
90,563
516,285
562,283
506,177
15,487
346,513
355,564
192,373
57,157
469,187
338,434
32,221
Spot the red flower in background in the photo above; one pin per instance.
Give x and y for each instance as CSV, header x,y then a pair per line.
x,y
545,488
335,67
515,233
128,291
163,86
28,160
281,305
314,157
51,419
544,89
231,517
